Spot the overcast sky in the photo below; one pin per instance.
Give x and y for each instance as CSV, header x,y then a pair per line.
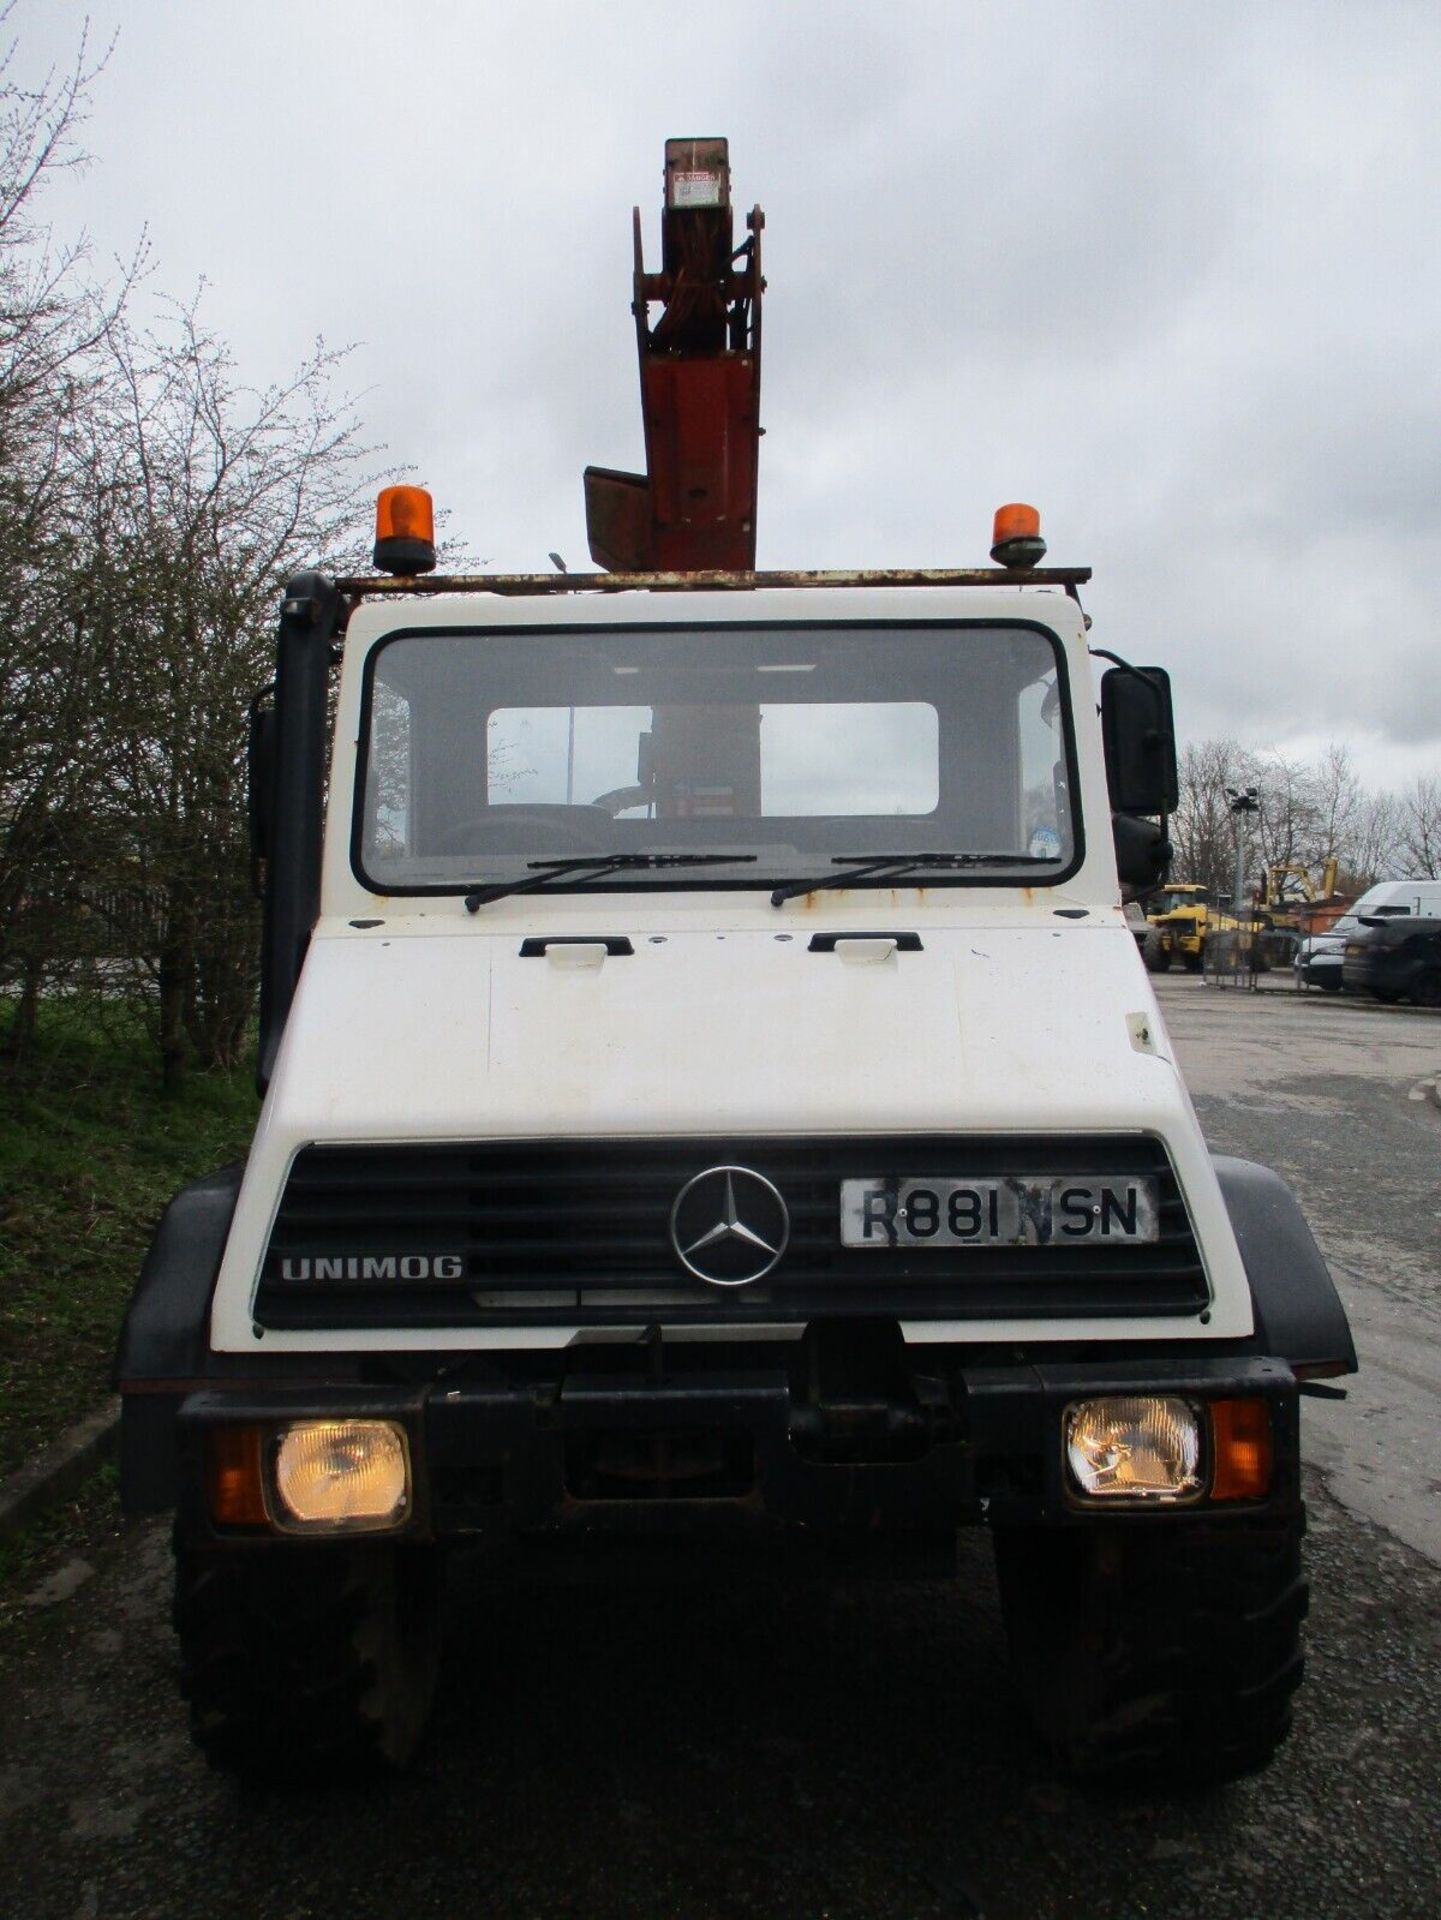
x,y
1169,271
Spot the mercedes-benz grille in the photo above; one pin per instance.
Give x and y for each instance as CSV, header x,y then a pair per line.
x,y
533,1233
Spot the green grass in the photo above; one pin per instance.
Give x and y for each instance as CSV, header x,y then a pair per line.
x,y
91,1149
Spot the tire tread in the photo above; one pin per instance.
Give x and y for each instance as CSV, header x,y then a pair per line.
x,y
1168,1653
292,1662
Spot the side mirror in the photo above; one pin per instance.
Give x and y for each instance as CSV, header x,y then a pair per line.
x,y
1140,740
1143,854
260,774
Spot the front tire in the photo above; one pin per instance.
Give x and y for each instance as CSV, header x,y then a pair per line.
x,y
307,1660
1161,1654
1426,991
1156,953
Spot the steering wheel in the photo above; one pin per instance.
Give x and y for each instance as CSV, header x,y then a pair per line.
x,y
489,833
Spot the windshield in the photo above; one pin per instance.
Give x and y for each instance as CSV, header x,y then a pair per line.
x,y
483,753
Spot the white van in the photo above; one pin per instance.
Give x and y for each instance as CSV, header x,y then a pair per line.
x,y
1319,958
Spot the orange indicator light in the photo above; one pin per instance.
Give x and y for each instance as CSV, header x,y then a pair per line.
x,y
233,1477
1241,1439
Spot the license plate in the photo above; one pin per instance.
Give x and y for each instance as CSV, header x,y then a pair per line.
x,y
1014,1210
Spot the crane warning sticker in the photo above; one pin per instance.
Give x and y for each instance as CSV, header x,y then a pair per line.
x,y
695,189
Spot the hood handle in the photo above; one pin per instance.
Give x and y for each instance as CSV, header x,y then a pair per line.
x,y
616,945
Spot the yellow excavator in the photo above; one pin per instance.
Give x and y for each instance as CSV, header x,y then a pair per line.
x,y
1290,890
1182,920
1180,916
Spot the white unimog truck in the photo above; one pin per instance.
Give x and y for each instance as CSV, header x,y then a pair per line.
x,y
713,1095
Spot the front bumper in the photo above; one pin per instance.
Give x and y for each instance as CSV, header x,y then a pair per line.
x,y
1320,967
736,1451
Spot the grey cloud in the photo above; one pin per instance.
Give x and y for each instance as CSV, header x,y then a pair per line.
x,y
1167,270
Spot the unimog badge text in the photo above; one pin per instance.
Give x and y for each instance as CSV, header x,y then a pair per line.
x,y
367,1266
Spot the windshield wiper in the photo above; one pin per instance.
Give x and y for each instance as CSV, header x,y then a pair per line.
x,y
595,868
892,865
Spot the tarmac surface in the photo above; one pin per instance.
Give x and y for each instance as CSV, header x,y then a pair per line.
x,y
1340,1096
688,1750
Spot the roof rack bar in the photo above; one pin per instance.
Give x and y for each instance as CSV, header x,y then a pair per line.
x,y
710,582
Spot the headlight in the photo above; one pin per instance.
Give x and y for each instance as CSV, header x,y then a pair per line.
x,y
1141,1447
343,1475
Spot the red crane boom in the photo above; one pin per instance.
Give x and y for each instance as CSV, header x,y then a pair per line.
x,y
694,507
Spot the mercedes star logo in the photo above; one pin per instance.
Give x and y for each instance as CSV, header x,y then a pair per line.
x,y
729,1226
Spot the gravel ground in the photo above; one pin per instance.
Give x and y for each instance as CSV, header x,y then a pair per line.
x,y
687,1751
815,1751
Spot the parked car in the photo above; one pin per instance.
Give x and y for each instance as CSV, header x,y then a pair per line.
x,y
1397,958
1321,957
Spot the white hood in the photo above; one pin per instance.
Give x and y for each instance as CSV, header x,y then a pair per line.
x,y
425,1036
423,1030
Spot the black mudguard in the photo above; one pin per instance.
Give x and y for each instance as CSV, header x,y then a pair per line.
x,y
164,1340
1299,1316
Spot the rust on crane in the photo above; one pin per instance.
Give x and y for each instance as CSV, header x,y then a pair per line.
x,y
694,507
711,580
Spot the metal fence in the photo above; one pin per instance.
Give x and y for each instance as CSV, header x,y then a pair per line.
x,y
1238,957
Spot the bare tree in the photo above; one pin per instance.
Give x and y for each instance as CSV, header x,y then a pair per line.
x,y
1339,800
1371,848
52,318
49,313
204,494
1201,828
1419,828
1286,825
1309,812
151,505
